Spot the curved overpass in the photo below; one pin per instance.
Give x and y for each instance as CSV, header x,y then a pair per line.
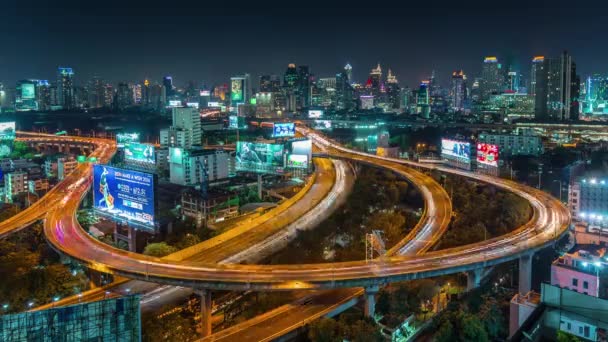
x,y
550,219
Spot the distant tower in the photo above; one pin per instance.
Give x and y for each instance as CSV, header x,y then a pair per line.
x,y
375,77
458,91
492,79
65,87
348,70
168,85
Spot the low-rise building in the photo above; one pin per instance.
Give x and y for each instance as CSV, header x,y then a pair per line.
x,y
215,207
191,167
15,183
513,145
588,200
580,271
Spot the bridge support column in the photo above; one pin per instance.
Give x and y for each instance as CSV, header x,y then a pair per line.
x,y
473,278
525,273
206,303
370,300
132,236
260,185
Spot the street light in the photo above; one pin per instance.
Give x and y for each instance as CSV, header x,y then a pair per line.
x,y
560,189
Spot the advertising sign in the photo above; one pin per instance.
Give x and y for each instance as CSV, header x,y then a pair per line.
x,y
124,193
124,138
457,149
236,89
214,104
28,91
142,153
192,104
250,153
322,124
297,161
205,93
283,129
175,103
315,113
7,130
487,154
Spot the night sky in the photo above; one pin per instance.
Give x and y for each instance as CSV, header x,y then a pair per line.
x,y
208,44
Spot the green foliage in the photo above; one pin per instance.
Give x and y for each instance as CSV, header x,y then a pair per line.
x,y
481,212
350,328
21,150
159,249
563,336
174,327
32,272
324,330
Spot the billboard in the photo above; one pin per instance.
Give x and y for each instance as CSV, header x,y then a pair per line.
x,y
250,153
236,89
297,161
175,103
141,153
205,93
7,130
192,104
28,91
124,193
457,149
125,138
487,154
315,113
236,122
283,129
322,124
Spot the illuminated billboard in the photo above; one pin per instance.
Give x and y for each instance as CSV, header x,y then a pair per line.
x,y
125,138
141,153
456,149
175,103
283,129
28,91
236,122
205,93
124,194
322,124
236,89
315,113
192,104
487,154
297,161
251,156
7,130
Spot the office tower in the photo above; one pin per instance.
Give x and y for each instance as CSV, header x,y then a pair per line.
x,y
348,70
303,86
44,95
26,96
136,90
96,93
65,87
458,90
422,100
265,84
188,119
563,87
81,97
145,93
392,91
108,95
513,79
124,96
240,90
492,80
596,95
168,85
375,80
290,78
434,87
537,69
538,86
344,91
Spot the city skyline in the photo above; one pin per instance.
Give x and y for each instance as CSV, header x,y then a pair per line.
x,y
211,49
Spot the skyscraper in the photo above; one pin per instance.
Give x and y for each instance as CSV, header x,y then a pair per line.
x,y
290,78
26,95
536,71
596,95
556,88
44,95
65,87
422,100
96,93
392,91
124,96
492,80
240,90
304,89
168,85
458,90
375,78
348,70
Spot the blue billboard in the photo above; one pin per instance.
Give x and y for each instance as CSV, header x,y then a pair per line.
x,y
284,129
124,194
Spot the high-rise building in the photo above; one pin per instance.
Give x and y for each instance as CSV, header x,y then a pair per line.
x,y
596,95
536,71
344,91
97,97
492,80
145,93
538,86
513,80
422,100
563,87
136,91
392,91
65,87
265,83
290,78
375,80
189,119
348,70
458,90
44,95
304,86
240,90
124,96
168,85
26,97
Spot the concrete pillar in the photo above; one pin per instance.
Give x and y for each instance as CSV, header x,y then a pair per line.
x,y
206,304
525,274
132,239
370,300
260,185
473,278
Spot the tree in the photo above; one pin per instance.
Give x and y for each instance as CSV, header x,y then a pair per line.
x,y
323,330
445,332
362,331
472,329
492,318
159,249
174,327
187,241
383,304
390,222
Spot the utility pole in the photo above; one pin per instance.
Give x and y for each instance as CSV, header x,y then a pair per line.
x,y
540,173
